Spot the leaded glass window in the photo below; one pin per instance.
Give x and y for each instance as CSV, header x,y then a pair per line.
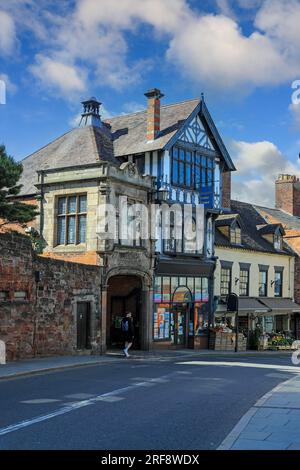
x,y
71,219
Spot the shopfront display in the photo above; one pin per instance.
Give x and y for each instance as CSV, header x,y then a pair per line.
x,y
181,309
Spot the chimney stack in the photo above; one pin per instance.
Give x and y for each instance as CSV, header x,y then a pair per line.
x,y
91,115
153,113
287,194
226,189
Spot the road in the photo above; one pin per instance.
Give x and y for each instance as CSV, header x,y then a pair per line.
x,y
178,403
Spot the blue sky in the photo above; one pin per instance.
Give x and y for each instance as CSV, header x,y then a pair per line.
x,y
243,54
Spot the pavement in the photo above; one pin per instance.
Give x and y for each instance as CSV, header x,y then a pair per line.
x,y
47,364
174,400
273,423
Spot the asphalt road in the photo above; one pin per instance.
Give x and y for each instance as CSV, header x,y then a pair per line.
x,y
157,404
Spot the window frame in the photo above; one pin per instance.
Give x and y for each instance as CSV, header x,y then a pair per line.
x,y
235,233
280,272
205,172
260,284
228,281
67,215
244,283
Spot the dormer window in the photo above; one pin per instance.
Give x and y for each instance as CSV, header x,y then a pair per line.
x,y
235,234
277,240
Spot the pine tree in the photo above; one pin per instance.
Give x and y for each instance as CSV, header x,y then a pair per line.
x,y
12,210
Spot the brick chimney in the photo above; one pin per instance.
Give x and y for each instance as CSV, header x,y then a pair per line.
x,y
153,113
226,189
287,194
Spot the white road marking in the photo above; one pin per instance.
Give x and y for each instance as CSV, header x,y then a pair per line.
x,y
279,367
111,399
39,401
75,406
79,396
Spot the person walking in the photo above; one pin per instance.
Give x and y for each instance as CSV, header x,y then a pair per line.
x,y
128,332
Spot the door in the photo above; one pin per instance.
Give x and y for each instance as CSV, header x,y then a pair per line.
x,y
83,325
178,326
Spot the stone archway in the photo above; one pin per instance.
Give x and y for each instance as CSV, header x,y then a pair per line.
x,y
124,293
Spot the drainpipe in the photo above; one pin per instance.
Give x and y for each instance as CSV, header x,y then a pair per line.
x,y
41,198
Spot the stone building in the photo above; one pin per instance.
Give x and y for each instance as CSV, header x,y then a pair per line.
x,y
287,213
256,263
167,155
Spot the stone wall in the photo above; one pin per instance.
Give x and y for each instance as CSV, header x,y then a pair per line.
x,y
38,313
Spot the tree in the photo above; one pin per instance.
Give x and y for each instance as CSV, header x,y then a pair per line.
x,y
12,210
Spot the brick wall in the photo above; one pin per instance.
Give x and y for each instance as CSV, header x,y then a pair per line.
x,y
44,322
226,189
287,194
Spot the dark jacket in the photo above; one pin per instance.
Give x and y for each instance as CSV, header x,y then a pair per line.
x,y
127,327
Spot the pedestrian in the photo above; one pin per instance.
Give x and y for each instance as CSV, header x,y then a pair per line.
x,y
128,332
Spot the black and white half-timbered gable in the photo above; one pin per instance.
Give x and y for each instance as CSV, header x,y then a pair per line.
x,y
170,155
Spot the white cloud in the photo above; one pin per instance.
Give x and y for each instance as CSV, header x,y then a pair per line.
x,y
7,33
258,166
215,49
58,75
91,37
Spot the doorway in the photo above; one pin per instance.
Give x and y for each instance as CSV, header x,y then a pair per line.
x,y
124,295
178,322
83,326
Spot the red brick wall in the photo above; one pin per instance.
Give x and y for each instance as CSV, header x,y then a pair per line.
x,y
287,195
44,322
226,189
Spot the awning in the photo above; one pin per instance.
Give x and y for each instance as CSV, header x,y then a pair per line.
x,y
266,305
281,305
184,267
246,305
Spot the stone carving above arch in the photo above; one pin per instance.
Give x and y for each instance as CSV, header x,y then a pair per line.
x,y
130,168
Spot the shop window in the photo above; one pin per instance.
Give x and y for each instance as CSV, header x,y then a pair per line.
x,y
269,324
161,329
157,289
166,296
71,219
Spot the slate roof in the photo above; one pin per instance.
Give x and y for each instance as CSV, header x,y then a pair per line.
x,y
226,220
269,229
251,237
287,220
127,136
130,130
82,145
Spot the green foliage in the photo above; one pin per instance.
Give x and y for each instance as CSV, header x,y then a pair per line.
x,y
254,339
10,209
